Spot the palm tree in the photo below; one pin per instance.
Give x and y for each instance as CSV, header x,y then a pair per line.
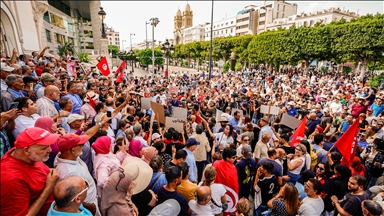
x,y
65,48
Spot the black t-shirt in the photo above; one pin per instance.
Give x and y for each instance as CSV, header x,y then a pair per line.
x,y
141,201
326,119
268,187
352,203
163,195
168,164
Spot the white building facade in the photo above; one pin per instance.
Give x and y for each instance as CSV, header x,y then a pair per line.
x,y
113,36
222,28
195,33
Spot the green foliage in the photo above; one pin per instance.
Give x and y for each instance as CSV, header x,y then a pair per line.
x,y
185,63
226,67
238,66
83,57
324,69
346,70
376,81
65,48
145,56
113,49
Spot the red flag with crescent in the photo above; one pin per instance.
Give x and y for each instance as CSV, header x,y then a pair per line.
x,y
103,66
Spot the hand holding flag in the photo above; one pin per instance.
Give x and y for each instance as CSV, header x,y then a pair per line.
x,y
299,133
346,144
120,72
103,66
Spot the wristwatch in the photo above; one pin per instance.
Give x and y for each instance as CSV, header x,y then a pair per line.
x,y
101,125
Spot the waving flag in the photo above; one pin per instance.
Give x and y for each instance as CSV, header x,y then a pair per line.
x,y
346,144
120,72
91,102
103,66
299,133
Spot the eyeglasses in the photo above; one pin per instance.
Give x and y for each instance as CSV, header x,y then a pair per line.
x,y
298,149
121,175
321,168
86,188
246,140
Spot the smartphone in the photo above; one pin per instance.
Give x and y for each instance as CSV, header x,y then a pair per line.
x,y
31,86
109,115
14,105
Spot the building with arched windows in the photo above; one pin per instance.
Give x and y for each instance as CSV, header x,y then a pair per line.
x,y
182,20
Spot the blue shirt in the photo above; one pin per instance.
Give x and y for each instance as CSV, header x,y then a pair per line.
x,y
76,101
192,166
53,212
38,85
161,181
292,112
234,123
17,94
377,109
328,145
321,155
175,103
344,126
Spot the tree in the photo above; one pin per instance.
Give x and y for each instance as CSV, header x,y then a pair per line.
x,y
364,38
145,56
83,57
66,47
113,49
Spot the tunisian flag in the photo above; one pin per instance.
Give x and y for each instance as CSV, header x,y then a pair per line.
x,y
103,66
226,174
91,102
346,144
299,133
120,71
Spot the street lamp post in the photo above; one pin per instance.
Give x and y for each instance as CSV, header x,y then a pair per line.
x,y
130,35
154,22
146,37
167,51
123,44
102,16
132,54
210,46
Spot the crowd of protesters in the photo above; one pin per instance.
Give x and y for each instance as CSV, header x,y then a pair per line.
x,y
76,142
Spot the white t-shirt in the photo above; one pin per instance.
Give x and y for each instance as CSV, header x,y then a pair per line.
x,y
23,122
316,203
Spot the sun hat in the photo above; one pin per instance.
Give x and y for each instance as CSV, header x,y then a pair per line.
x,y
5,67
92,95
168,207
68,141
223,119
47,77
35,135
140,171
73,117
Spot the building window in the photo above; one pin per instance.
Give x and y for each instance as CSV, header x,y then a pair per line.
x,y
59,39
48,35
277,15
110,43
305,23
88,33
46,17
262,23
226,31
278,6
231,22
116,43
262,15
71,40
231,30
57,21
117,35
283,8
311,23
89,45
226,24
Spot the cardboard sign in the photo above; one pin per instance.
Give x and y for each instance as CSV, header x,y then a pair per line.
x,y
159,110
175,123
272,110
218,115
240,111
178,112
290,121
146,103
173,89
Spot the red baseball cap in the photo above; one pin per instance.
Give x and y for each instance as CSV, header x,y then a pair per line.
x,y
68,141
35,136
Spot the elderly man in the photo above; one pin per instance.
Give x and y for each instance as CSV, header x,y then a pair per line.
x,y
26,182
87,107
73,89
68,161
200,206
69,194
28,115
326,120
371,208
46,80
46,106
266,128
201,150
261,150
5,70
15,85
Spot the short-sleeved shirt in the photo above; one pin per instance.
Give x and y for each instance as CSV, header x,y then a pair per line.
x,y
326,119
268,186
163,195
277,169
278,208
344,126
352,203
292,112
22,183
141,201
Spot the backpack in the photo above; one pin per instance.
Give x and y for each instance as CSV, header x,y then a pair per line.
x,y
314,157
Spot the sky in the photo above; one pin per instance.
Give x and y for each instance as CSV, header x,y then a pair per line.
x,y
129,17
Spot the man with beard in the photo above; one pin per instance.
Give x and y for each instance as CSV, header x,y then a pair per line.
x,y
174,176
351,203
26,182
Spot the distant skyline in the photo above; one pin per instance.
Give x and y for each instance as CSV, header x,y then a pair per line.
x,y
128,17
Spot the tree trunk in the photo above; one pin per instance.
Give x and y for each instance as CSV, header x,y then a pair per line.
x,y
363,67
307,63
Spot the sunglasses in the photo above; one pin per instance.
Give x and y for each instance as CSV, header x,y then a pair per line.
x,y
321,168
121,175
246,140
86,188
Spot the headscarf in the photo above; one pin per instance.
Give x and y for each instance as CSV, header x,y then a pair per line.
x,y
134,148
115,202
149,153
46,123
102,145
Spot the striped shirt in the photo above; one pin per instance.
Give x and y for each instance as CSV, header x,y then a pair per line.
x,y
46,107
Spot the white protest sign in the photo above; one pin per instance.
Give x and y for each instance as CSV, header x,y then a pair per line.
x,y
273,110
152,119
178,112
146,103
290,121
175,123
218,115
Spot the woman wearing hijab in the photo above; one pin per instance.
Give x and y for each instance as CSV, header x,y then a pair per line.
x,y
135,147
48,124
149,153
104,163
117,195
